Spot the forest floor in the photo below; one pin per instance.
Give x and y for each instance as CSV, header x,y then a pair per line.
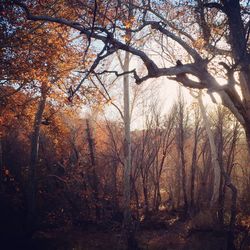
x,y
160,233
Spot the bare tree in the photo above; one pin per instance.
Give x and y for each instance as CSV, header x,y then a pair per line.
x,y
181,136
93,178
214,153
164,136
195,156
220,167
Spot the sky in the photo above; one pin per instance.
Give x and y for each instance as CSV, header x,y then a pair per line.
x,y
162,90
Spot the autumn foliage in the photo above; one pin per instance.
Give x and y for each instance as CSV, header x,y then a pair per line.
x,y
62,145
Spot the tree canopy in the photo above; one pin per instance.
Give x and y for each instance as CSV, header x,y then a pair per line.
x,y
214,36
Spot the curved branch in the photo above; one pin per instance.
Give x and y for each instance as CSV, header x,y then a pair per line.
x,y
158,26
92,68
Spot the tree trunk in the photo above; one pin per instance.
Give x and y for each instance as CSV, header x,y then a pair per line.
x,y
1,164
181,153
93,176
225,175
241,56
214,154
134,191
114,187
158,195
127,145
1,159
184,177
32,182
193,171
221,201
177,189
145,194
247,131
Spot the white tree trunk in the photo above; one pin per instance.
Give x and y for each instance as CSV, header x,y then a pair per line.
x,y
214,152
127,144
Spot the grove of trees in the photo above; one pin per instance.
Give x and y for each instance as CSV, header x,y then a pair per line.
x,y
65,162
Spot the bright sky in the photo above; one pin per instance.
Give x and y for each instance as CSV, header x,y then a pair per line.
x,y
162,90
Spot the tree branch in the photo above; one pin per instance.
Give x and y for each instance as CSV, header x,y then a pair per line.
x,y
188,82
159,26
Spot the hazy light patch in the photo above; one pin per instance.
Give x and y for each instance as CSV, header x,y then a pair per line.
x,y
192,77
161,90
237,87
221,81
217,97
168,92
